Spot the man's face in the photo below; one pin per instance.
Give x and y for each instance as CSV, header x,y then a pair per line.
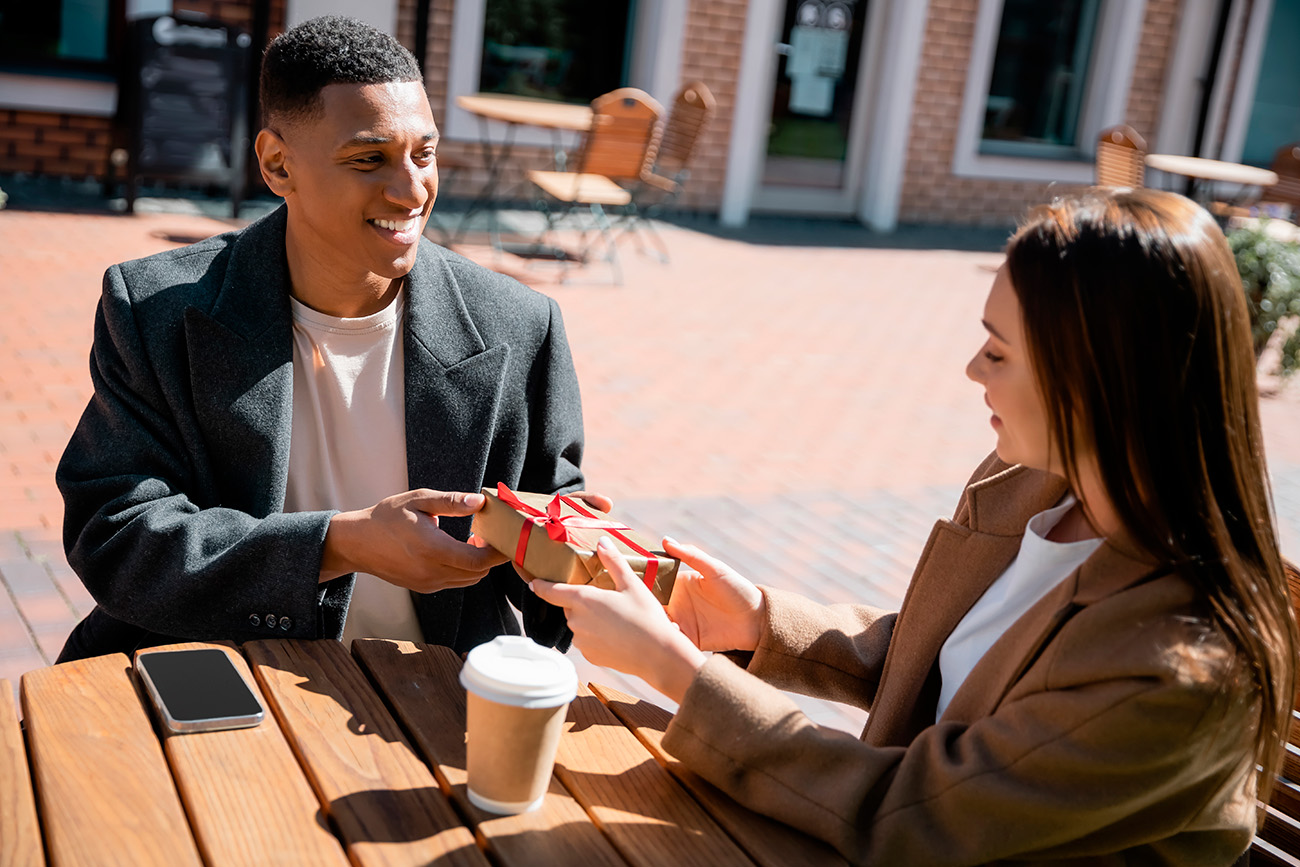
x,y
360,179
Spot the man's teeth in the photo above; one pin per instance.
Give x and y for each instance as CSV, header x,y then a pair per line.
x,y
395,225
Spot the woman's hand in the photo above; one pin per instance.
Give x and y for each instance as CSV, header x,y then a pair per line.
x,y
626,628
714,606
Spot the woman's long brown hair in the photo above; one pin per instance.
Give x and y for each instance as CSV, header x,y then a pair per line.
x,y
1137,329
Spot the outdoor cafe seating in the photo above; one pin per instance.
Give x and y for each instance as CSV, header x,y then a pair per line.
x,y
621,145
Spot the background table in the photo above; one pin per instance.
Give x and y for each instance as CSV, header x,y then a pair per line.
x,y
514,111
1200,170
361,761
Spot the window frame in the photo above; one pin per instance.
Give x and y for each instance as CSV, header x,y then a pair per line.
x,y
1105,100
650,58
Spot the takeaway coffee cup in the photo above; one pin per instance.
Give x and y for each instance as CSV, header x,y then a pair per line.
x,y
518,693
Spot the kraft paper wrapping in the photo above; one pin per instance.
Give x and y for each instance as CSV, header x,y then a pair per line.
x,y
573,561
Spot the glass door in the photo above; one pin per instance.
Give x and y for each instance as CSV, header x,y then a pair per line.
x,y
810,142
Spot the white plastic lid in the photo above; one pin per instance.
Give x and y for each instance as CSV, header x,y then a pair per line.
x,y
514,670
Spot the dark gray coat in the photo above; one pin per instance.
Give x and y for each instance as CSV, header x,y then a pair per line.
x,y
174,480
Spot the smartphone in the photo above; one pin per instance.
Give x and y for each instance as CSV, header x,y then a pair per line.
x,y
198,690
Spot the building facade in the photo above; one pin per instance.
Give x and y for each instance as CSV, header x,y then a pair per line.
x,y
888,111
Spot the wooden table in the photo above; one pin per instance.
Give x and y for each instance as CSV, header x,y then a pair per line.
x,y
514,111
1200,170
361,761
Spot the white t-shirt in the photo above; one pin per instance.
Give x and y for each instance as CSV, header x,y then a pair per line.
x,y
1040,566
349,440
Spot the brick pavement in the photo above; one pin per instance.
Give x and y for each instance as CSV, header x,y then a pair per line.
x,y
800,411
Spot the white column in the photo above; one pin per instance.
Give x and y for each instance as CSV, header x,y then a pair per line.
x,y
1184,80
660,35
892,123
748,146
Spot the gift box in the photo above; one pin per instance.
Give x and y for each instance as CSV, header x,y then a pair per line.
x,y
554,538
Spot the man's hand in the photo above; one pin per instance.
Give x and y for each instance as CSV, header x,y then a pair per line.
x,y
398,539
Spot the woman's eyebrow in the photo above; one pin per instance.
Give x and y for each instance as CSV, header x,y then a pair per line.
x,y
988,326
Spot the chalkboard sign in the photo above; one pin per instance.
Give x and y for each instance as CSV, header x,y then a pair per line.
x,y
183,99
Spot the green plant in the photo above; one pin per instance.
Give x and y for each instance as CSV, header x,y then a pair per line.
x,y
1270,275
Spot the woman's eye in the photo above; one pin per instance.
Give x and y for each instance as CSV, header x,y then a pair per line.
x,y
992,356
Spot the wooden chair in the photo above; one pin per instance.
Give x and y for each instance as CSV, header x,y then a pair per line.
x,y
1278,841
1121,152
662,182
1286,163
620,146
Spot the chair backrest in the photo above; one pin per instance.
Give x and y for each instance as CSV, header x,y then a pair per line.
x,y
1286,162
1121,153
690,115
624,135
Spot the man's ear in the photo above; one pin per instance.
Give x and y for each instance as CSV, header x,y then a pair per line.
x,y
272,155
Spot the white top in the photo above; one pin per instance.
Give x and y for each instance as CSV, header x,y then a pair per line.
x,y
1040,566
349,440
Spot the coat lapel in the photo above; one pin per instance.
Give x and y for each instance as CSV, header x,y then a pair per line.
x,y
453,389
960,561
453,382
244,347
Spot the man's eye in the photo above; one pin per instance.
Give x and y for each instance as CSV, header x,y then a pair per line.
x,y
371,160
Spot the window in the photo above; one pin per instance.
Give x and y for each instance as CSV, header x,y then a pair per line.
x,y
1040,72
63,35
571,50
1045,77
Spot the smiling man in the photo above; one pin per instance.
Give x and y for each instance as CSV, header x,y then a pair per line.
x,y
291,421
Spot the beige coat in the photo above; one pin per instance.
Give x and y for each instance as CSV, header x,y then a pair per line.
x,y
1111,718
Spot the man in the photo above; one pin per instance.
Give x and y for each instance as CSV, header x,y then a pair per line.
x,y
284,416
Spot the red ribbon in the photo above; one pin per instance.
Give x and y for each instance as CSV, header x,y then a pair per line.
x,y
557,526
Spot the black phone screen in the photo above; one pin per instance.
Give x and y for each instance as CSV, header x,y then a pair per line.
x,y
199,684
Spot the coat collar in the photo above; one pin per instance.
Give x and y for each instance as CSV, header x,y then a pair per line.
x,y
962,559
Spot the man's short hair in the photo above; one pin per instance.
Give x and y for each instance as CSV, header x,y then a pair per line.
x,y
332,49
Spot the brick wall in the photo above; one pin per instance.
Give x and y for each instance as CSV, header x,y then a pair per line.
x,y
1159,32
715,32
65,145
931,193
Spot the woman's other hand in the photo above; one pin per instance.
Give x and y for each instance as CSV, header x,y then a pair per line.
x,y
626,628
713,605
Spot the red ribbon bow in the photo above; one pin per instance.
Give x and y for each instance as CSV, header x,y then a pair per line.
x,y
557,526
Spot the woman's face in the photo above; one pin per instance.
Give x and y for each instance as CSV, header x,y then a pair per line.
x,y
1002,367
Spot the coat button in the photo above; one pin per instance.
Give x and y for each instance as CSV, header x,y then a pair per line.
x,y
254,620
285,624
270,621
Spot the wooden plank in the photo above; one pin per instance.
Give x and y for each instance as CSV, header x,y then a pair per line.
x,y
1286,796
769,842
383,800
422,685
1265,854
1291,762
647,815
248,800
99,770
20,832
1281,830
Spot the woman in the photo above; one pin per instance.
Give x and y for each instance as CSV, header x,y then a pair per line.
x,y
1093,655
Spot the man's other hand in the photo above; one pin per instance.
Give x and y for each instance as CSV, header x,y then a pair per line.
x,y
398,539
